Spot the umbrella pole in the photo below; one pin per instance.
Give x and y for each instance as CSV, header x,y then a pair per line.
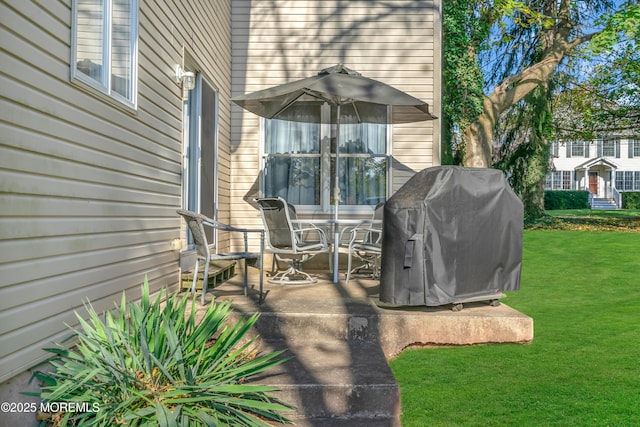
x,y
336,202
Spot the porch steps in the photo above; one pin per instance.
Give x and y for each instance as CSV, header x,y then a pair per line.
x,y
337,374
339,341
603,204
219,271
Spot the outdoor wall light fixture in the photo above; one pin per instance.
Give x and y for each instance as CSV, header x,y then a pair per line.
x,y
186,78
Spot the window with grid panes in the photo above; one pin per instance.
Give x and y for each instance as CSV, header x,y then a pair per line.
x,y
620,180
300,158
578,149
566,180
628,181
607,149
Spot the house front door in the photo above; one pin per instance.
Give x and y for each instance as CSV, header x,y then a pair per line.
x,y
593,183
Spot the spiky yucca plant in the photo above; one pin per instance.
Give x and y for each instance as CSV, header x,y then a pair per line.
x,y
153,364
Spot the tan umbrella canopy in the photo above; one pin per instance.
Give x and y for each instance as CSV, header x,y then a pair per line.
x,y
339,86
350,92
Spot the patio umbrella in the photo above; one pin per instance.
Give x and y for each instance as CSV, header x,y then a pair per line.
x,y
347,90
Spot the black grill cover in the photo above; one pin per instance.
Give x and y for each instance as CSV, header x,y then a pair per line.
x,y
451,234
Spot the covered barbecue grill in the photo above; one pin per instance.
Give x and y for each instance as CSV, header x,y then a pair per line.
x,y
451,235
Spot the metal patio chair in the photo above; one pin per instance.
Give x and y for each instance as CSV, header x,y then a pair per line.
x,y
197,223
365,244
288,241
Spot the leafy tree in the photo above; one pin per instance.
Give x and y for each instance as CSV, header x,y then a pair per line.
x,y
524,153
529,41
466,31
605,102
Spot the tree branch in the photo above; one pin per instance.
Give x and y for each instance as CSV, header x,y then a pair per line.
x,y
511,90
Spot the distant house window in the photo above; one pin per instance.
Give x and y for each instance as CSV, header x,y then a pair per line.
x,y
628,180
634,148
610,148
105,34
558,180
579,149
566,180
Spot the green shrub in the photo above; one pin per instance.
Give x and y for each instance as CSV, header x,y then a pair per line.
x,y
566,200
153,364
631,200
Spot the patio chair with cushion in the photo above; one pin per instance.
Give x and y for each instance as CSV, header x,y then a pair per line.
x,y
365,244
197,223
288,241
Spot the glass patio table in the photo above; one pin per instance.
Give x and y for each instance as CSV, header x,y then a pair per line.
x,y
338,226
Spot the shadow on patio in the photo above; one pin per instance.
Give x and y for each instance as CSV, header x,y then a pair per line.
x,y
339,341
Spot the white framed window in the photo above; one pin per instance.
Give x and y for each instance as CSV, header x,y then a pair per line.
x,y
628,180
620,180
558,180
634,148
548,184
579,149
299,159
566,180
104,47
609,148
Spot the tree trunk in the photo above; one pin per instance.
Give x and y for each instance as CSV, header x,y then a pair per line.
x,y
533,201
478,138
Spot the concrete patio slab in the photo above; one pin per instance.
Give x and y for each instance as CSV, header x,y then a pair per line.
x,y
340,337
353,311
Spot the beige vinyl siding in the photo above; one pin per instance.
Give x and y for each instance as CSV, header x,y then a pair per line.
x,y
88,186
275,41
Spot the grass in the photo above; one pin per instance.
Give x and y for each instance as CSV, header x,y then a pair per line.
x,y
582,288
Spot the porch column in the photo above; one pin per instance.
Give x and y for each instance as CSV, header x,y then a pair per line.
x,y
586,178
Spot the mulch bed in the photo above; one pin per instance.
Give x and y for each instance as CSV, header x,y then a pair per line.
x,y
628,224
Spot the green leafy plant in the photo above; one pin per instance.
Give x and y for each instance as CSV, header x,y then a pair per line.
x,y
563,199
631,200
154,364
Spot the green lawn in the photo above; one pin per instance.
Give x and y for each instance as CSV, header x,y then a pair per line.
x,y
582,288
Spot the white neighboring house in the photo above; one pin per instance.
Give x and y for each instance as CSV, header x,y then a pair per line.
x,y
604,167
